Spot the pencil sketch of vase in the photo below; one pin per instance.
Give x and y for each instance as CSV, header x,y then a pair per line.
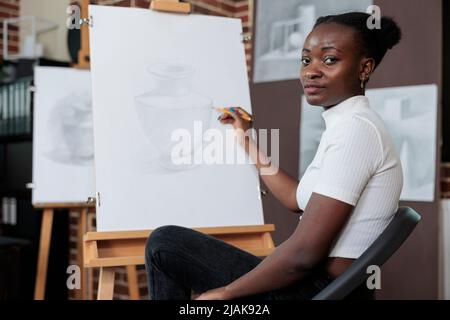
x,y
71,130
287,36
172,105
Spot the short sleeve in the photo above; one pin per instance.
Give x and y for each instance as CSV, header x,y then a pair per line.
x,y
350,161
298,197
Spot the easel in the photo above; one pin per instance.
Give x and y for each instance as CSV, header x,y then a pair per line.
x,y
107,250
84,63
83,54
86,211
85,224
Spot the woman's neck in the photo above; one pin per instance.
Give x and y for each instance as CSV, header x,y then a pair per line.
x,y
356,94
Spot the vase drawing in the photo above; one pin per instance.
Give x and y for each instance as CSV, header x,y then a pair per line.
x,y
70,126
172,105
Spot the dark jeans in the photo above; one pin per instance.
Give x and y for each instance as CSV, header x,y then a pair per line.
x,y
180,260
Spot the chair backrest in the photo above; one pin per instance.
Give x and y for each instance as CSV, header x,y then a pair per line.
x,y
398,230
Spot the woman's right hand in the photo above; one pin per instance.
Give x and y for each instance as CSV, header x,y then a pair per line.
x,y
235,118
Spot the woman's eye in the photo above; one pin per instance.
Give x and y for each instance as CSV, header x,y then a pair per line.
x,y
305,61
330,60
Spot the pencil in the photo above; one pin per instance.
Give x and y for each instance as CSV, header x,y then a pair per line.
x,y
244,115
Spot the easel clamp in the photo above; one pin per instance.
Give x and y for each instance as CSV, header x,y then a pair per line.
x,y
246,37
87,21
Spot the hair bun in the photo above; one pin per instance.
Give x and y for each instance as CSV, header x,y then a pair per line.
x,y
390,34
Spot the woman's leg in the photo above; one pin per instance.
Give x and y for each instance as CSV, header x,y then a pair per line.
x,y
179,260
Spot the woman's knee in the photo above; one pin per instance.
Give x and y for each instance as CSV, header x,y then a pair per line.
x,y
161,238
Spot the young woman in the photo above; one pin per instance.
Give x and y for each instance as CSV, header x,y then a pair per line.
x,y
347,196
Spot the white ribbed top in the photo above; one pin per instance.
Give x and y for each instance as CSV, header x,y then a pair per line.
x,y
356,163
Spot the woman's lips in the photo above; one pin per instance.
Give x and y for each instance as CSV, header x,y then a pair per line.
x,y
312,90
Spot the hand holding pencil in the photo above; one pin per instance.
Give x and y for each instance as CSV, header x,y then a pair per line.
x,y
239,118
233,110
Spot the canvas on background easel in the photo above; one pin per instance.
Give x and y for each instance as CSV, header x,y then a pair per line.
x,y
86,212
108,250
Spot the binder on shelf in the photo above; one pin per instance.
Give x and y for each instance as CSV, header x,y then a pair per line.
x,y
15,108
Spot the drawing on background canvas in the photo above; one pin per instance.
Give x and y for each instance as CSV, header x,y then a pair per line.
x,y
173,104
410,115
311,127
70,126
286,36
63,148
281,29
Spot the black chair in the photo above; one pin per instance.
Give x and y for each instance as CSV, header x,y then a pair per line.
x,y
398,230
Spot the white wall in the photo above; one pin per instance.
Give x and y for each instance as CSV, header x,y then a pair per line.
x,y
55,42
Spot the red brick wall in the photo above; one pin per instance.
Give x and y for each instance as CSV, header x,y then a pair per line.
x,y
242,9
9,9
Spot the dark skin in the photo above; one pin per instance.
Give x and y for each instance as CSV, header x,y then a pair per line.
x,y
333,66
332,59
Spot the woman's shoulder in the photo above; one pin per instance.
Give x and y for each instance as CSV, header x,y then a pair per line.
x,y
359,125
366,130
364,123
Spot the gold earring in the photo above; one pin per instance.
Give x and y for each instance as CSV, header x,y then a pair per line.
x,y
362,83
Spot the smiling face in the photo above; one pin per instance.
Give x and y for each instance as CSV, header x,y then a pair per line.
x,y
333,65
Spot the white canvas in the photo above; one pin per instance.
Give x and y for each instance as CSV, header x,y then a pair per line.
x,y
142,61
281,29
410,115
63,150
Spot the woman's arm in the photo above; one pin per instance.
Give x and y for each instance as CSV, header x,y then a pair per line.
x,y
282,185
307,247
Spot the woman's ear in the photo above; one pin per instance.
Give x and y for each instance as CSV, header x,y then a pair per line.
x,y
367,68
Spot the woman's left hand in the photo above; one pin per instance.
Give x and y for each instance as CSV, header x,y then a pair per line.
x,y
214,294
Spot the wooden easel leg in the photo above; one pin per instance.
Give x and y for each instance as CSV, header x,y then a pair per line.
x,y
133,285
44,248
82,222
90,271
106,283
